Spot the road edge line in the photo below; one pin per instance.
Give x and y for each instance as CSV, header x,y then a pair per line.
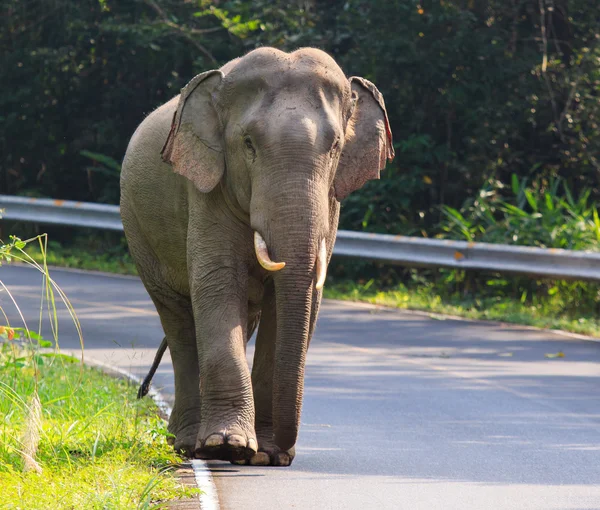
x,y
208,499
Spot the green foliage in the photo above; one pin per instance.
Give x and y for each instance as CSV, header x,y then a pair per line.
x,y
476,91
470,100
91,255
422,292
544,214
80,76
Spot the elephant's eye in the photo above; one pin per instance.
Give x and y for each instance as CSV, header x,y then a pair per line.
x,y
250,148
248,144
335,148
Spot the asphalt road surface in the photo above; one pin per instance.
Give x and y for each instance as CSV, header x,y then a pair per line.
x,y
400,411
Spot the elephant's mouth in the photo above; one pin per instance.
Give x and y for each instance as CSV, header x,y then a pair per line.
x,y
262,254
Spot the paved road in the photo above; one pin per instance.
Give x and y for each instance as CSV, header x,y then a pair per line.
x,y
401,411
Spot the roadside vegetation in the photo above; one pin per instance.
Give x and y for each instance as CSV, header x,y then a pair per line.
x,y
445,296
71,436
544,213
92,252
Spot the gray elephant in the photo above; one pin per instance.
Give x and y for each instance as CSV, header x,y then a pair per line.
x,y
230,202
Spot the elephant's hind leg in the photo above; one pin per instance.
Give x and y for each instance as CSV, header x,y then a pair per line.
x,y
184,422
175,311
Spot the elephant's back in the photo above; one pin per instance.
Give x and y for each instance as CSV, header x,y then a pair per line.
x,y
153,198
143,151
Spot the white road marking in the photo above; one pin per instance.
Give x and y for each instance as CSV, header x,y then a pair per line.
x,y
209,499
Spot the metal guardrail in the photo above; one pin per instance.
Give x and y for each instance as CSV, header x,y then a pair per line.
x,y
409,251
61,212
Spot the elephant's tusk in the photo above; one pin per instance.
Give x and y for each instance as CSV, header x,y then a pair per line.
x,y
321,265
262,254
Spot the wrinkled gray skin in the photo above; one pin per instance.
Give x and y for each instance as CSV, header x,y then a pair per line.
x,y
270,143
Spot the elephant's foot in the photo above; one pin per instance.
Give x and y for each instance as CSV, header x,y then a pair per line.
x,y
184,441
184,429
226,443
269,455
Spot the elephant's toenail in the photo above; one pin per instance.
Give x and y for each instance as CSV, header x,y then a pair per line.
x,y
213,440
252,444
236,441
283,459
260,459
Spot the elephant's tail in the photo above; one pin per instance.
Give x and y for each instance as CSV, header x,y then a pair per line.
x,y
145,387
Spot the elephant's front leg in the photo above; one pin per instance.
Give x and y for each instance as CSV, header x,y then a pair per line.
x,y
262,384
219,297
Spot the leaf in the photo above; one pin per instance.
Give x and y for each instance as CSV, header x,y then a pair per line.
x,y
58,355
569,196
33,335
515,184
558,354
531,199
596,223
509,208
102,158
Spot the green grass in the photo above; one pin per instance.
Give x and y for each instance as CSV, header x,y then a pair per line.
x,y
548,312
71,436
83,258
99,447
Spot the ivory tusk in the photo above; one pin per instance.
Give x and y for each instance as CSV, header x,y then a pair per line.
x,y
321,265
262,254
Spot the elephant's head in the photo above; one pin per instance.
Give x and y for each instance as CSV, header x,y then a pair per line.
x,y
283,134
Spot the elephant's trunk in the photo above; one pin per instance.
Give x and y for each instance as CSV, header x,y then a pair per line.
x,y
290,208
294,299
295,235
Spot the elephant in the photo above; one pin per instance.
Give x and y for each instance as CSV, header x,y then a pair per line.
x,y
230,200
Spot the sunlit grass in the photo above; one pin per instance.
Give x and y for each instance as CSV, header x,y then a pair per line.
x,y
99,446
71,436
549,312
79,258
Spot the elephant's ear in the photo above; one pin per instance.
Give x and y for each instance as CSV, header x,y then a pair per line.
x,y
194,146
368,140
